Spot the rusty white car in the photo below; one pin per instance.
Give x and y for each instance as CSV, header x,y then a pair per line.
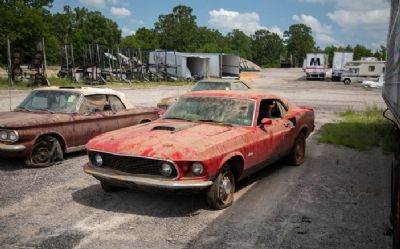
x,y
56,120
206,85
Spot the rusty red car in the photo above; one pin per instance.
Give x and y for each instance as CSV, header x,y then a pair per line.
x,y
207,141
56,120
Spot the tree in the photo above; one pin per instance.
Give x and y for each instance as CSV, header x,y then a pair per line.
x,y
24,23
210,41
267,48
299,42
380,53
361,51
176,30
240,43
143,38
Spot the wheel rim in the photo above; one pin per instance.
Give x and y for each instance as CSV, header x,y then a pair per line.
x,y
226,188
300,149
41,154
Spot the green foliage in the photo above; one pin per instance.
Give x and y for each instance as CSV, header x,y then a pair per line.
x,y
267,48
299,42
380,53
240,43
143,38
360,130
361,51
176,30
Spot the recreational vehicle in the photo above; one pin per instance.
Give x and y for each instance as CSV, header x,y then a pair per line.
x,y
358,71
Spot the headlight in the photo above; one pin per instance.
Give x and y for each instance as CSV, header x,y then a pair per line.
x,y
3,135
13,136
166,169
197,168
98,161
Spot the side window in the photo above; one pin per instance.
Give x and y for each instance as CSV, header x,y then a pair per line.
x,y
371,68
94,103
116,103
270,108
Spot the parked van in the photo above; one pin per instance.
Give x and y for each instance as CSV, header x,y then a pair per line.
x,y
358,71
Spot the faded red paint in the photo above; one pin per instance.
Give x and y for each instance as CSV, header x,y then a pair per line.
x,y
210,143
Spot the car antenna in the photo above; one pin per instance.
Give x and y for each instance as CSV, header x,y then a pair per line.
x,y
10,81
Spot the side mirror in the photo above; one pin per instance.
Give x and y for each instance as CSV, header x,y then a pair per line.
x,y
266,121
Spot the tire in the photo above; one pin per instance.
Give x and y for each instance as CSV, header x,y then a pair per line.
x,y
107,187
347,81
217,196
297,154
45,152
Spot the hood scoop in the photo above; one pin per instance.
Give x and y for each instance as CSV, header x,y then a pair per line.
x,y
173,127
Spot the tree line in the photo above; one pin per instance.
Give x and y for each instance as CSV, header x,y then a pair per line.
x,y
26,22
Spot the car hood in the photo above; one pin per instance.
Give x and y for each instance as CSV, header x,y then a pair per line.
x,y
21,119
171,140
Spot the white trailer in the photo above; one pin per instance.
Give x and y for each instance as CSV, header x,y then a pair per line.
x,y
339,61
358,71
316,66
194,65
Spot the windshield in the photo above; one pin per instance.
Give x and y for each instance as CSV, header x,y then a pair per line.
x,y
204,86
52,101
213,109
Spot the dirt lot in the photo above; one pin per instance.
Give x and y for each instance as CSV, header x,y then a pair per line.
x,y
337,199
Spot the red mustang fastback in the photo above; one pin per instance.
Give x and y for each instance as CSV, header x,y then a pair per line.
x,y
207,140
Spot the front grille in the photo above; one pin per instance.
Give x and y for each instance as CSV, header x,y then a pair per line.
x,y
132,164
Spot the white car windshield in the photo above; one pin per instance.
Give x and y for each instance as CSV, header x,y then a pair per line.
x,y
51,101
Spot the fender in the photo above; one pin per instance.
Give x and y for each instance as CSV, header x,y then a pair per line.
x,y
229,156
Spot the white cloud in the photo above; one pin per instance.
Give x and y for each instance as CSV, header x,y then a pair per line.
x,y
94,3
127,31
315,1
369,15
323,32
248,22
313,23
120,11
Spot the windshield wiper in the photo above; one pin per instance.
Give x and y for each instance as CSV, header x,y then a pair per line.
x,y
178,118
214,121
23,108
44,109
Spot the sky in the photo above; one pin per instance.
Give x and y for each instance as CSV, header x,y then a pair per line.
x,y
334,22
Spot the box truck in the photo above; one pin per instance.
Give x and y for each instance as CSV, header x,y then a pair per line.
x,y
316,66
339,61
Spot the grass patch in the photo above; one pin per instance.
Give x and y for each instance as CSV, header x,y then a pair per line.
x,y
4,84
360,130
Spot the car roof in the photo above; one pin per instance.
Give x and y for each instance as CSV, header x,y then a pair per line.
x,y
89,91
221,80
257,95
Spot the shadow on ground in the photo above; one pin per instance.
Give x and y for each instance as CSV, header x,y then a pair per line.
x,y
157,204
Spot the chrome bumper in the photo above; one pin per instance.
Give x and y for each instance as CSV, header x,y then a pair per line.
x,y
117,176
12,147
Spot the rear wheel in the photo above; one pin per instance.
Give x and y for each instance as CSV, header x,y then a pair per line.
x,y
297,155
220,194
45,152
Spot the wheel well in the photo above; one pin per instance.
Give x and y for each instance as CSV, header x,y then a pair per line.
x,y
144,121
236,164
59,138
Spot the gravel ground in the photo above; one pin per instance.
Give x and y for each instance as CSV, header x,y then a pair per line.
x,y
337,199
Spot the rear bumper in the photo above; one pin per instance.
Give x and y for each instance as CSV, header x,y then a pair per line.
x,y
119,178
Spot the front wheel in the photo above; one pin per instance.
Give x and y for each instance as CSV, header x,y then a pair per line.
x,y
297,155
45,152
220,194
347,81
